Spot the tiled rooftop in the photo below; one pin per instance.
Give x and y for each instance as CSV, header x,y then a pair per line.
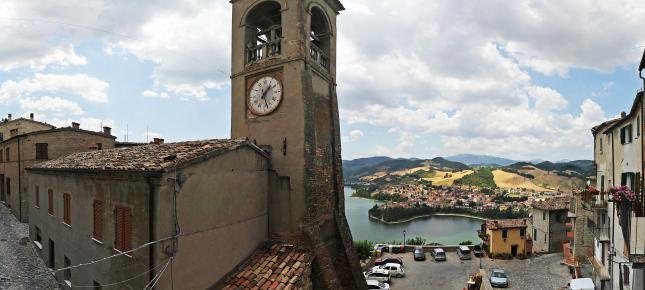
x,y
505,224
151,157
553,203
274,266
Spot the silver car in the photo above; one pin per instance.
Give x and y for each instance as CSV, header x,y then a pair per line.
x,y
498,278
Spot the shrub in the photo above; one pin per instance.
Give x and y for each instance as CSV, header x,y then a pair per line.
x,y
417,241
467,242
364,249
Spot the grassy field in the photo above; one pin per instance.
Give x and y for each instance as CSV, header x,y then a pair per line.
x,y
441,179
505,179
552,180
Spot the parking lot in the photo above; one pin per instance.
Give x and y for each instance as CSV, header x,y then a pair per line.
x,y
542,272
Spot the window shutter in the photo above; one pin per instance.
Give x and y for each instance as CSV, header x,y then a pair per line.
x,y
636,181
118,239
622,136
127,229
50,201
66,209
98,220
37,197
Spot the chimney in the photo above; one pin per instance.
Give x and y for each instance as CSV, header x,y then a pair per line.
x,y
76,125
158,141
9,117
31,116
623,115
107,130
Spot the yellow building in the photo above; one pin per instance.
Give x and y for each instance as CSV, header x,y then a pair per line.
x,y
507,237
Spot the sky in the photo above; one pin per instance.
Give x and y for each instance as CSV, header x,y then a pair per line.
x,y
416,78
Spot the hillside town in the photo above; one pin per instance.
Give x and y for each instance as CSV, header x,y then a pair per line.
x,y
267,207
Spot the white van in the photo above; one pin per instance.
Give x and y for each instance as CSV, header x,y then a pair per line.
x,y
464,253
582,284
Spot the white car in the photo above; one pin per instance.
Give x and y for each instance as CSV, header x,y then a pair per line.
x,y
378,275
395,269
373,284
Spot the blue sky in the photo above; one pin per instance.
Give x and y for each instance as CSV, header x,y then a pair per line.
x,y
520,79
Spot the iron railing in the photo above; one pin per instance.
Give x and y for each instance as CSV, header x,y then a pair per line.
x,y
319,56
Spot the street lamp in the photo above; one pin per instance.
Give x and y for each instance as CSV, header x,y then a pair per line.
x,y
404,238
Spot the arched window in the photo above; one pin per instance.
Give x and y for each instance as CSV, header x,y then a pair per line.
x,y
263,31
319,37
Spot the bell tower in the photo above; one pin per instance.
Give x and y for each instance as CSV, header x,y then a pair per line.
x,y
283,78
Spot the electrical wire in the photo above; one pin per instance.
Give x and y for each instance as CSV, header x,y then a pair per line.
x,y
116,283
157,277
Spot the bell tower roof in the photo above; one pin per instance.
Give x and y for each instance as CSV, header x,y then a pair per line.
x,y
336,5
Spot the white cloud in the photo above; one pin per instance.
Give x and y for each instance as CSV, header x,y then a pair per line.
x,y
355,135
87,123
47,105
82,85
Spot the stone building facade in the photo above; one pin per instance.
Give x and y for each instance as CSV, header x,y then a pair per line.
x,y
32,145
548,224
507,237
206,202
218,206
10,127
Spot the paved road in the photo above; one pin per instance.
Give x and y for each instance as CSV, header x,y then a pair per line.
x,y
19,264
543,272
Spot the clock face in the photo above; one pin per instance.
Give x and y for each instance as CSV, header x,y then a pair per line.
x,y
265,96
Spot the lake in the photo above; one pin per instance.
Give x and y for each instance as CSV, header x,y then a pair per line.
x,y
447,230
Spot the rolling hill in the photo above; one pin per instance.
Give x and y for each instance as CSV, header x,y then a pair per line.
x,y
473,159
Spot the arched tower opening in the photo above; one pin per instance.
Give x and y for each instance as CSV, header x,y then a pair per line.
x,y
319,37
263,31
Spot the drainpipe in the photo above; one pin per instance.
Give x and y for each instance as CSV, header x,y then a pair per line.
x,y
151,227
19,183
613,215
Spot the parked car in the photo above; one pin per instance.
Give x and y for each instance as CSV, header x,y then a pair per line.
x,y
581,284
464,253
397,248
378,275
477,251
498,278
373,284
438,254
419,253
385,260
394,269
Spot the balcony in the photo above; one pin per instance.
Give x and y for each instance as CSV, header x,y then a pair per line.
x,y
266,44
319,56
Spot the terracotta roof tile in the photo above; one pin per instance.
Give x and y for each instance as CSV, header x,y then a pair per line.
x,y
275,265
151,157
553,203
505,224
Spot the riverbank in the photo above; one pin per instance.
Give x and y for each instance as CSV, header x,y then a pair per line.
x,y
425,216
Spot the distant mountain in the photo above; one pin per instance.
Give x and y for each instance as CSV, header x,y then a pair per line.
x,y
352,167
582,167
368,166
481,160
563,161
535,161
444,163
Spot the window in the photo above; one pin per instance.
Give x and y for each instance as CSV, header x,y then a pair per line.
x,y
7,159
626,134
67,211
625,275
41,151
38,239
504,234
67,274
600,144
97,234
1,137
263,31
37,197
543,215
50,201
99,146
8,186
535,234
123,228
319,38
627,179
522,232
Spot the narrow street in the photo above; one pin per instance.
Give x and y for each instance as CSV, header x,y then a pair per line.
x,y
20,266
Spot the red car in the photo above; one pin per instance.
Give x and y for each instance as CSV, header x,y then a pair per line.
x,y
385,260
